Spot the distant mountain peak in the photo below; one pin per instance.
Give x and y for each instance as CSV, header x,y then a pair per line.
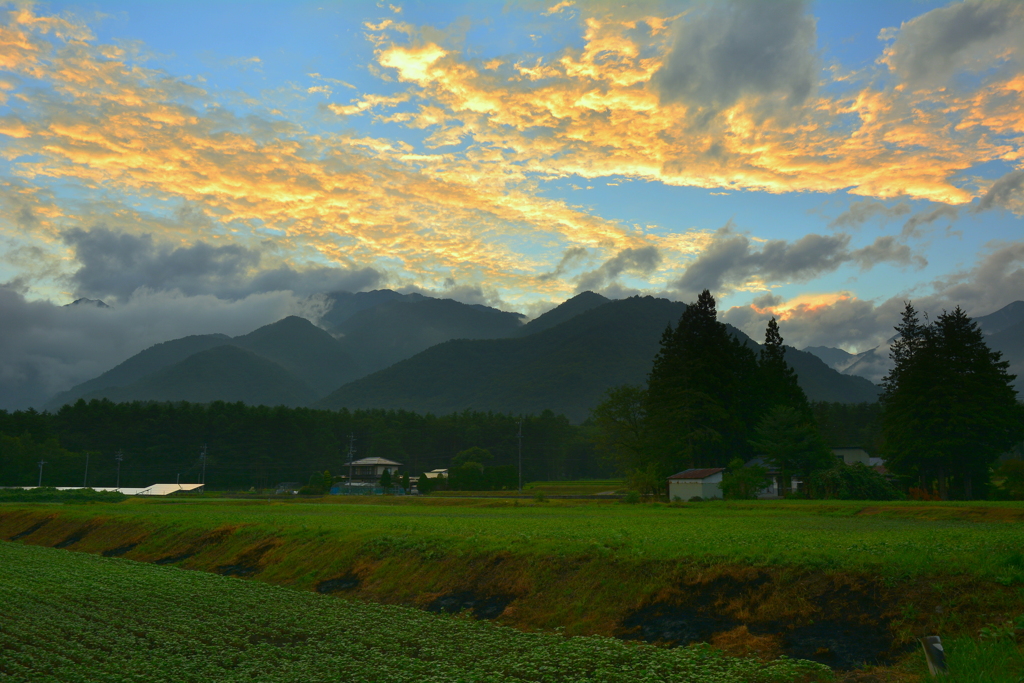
x,y
98,303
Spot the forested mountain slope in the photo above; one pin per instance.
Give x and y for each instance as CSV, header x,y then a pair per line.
x,y
224,373
566,368
140,365
395,330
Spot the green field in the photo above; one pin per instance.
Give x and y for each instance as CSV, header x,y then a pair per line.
x,y
76,617
882,573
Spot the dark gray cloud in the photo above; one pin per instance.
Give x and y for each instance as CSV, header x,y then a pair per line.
x,y
117,264
46,347
728,50
864,210
994,281
934,45
886,249
640,261
571,257
914,224
733,259
1001,192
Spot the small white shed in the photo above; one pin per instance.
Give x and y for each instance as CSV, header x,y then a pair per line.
x,y
706,483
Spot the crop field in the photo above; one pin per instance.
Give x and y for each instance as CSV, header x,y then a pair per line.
x,y
77,617
846,584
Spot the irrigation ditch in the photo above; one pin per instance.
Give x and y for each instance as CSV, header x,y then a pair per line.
x,y
842,619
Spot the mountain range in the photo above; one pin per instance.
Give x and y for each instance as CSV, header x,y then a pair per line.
x,y
1003,329
384,349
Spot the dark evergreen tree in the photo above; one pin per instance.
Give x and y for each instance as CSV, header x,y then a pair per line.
x,y
702,392
950,409
910,338
780,385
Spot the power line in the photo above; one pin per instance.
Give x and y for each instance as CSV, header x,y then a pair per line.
x,y
520,435
202,457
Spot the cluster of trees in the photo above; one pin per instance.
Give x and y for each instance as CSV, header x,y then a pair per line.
x,y
948,412
711,401
258,447
948,408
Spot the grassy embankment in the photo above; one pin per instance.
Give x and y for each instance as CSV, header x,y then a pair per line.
x,y
837,582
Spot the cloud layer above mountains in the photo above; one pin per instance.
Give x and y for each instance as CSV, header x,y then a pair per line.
x,y
514,160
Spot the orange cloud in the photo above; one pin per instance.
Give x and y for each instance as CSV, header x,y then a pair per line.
x,y
803,305
597,112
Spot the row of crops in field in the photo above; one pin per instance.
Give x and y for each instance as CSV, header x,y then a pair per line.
x,y
68,616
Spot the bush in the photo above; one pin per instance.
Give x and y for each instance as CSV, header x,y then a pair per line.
x,y
633,497
49,494
696,499
539,497
743,483
1011,472
851,482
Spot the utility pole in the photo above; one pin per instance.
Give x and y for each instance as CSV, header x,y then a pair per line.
x,y
119,456
85,479
351,457
520,435
203,458
177,479
41,463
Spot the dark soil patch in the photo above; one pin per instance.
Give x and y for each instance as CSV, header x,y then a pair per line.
x,y
172,559
247,563
674,625
483,607
343,583
119,550
207,540
73,538
29,531
236,570
839,643
848,628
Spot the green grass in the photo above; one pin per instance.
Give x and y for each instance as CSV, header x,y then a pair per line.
x,y
982,661
77,617
894,540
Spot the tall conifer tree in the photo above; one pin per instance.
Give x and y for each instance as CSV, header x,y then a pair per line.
x,y
702,398
949,407
779,381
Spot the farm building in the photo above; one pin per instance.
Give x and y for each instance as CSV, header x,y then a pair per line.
x,y
852,454
706,483
370,469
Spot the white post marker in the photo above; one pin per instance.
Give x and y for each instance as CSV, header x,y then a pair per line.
x,y
935,655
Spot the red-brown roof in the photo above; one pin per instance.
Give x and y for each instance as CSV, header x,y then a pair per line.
x,y
697,474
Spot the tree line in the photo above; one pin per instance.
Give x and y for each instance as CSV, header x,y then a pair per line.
x,y
256,446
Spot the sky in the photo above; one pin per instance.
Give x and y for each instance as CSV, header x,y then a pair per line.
x,y
213,166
